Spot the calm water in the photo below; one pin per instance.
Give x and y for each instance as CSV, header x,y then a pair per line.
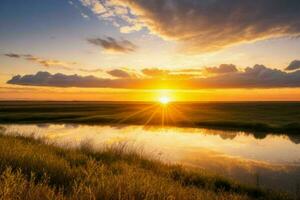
x,y
268,160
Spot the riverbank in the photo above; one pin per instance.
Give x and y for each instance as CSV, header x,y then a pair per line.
x,y
32,169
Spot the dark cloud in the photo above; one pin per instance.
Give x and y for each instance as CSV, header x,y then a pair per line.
x,y
62,80
111,44
58,80
208,25
12,55
119,73
293,65
258,76
222,69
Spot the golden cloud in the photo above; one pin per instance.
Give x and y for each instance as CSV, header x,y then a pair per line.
x,y
203,25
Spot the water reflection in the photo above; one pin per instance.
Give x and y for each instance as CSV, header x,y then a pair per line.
x,y
265,159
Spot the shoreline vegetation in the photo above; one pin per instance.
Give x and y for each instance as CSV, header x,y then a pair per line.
x,y
271,117
36,169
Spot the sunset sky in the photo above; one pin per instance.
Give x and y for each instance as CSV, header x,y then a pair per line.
x,y
140,50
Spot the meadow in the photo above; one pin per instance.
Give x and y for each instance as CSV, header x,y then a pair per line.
x,y
281,117
37,169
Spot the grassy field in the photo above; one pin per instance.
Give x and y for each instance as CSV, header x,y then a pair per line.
x,y
282,117
32,169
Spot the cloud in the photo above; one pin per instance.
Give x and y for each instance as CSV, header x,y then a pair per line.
x,y
12,55
48,63
85,16
222,69
119,16
62,80
258,76
119,73
172,74
207,25
293,65
155,72
96,6
53,63
113,45
90,70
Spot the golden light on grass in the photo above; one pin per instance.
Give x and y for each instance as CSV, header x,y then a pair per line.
x,y
164,100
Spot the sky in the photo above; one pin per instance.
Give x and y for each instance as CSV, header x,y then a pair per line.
x,y
140,50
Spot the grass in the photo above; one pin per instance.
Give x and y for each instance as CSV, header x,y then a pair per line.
x,y
33,169
281,117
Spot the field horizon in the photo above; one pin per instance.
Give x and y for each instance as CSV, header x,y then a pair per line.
x,y
260,116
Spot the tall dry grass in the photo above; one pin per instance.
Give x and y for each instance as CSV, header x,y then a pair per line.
x,y
31,169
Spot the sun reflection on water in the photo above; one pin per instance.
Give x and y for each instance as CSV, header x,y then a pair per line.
x,y
236,154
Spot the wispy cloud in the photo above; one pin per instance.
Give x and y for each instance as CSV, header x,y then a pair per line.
x,y
112,11
113,45
84,15
53,63
96,6
48,63
90,70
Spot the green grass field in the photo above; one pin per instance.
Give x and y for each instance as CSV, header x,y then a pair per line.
x,y
32,169
282,117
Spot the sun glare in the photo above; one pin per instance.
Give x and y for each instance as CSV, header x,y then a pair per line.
x,y
164,100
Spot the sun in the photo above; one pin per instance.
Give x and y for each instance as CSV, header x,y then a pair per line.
x,y
164,100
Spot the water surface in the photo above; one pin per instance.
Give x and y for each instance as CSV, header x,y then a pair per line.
x,y
267,160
